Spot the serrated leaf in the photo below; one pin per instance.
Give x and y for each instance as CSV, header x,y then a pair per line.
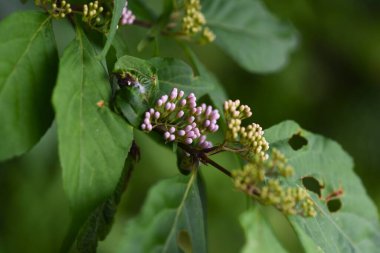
x,y
251,35
353,228
28,68
118,6
93,141
171,219
258,233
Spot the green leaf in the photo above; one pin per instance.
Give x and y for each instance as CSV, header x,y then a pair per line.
x,y
171,219
252,36
28,68
93,141
134,101
120,45
353,228
142,9
218,95
118,6
174,73
139,67
258,233
100,222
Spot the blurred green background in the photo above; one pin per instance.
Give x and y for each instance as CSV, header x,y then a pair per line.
x,y
331,85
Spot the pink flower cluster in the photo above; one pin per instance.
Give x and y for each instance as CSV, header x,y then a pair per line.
x,y
127,16
181,120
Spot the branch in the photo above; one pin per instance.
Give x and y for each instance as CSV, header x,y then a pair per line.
x,y
200,154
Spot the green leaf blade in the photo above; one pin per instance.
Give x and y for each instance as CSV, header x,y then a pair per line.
x,y
93,141
28,68
250,34
172,209
218,95
116,14
353,228
174,73
259,234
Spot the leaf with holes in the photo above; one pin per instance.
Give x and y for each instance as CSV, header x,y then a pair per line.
x,y
171,220
250,34
93,141
352,228
28,69
259,234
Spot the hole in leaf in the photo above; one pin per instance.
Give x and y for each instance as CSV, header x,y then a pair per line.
x,y
184,241
312,184
334,205
297,141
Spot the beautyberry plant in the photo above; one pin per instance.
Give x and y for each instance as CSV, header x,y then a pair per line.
x,y
102,93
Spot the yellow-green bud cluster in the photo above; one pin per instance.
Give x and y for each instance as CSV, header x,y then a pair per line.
x,y
98,17
60,10
208,35
92,11
262,180
193,22
279,161
250,137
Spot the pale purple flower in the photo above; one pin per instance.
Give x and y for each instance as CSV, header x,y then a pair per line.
x,y
127,17
189,124
180,114
181,132
164,98
174,94
188,128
